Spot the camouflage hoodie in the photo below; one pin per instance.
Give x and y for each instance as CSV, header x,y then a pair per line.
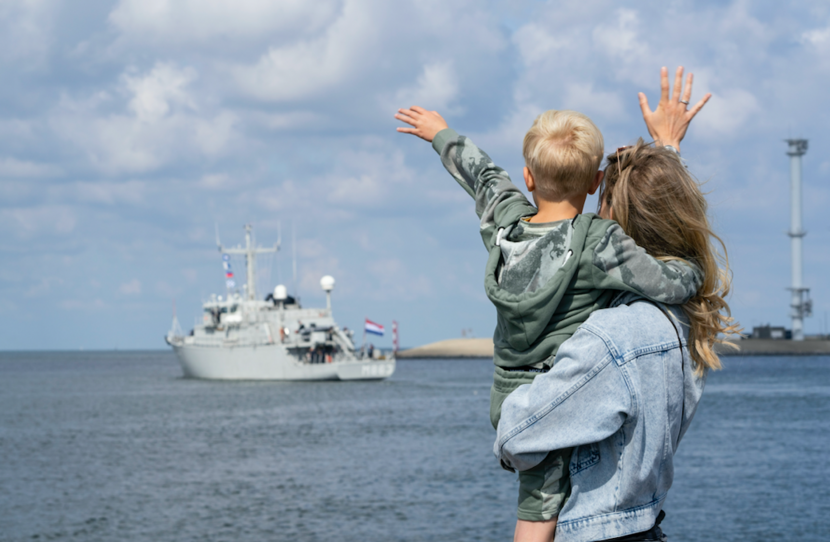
x,y
546,279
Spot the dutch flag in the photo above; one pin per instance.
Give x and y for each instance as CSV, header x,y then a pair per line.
x,y
375,329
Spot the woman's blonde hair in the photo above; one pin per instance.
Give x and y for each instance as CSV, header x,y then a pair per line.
x,y
660,205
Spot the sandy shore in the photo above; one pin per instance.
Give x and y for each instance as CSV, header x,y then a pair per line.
x,y
452,348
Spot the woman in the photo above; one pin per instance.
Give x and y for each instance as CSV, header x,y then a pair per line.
x,y
625,387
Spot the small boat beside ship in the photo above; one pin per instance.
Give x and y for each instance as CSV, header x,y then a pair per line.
x,y
275,338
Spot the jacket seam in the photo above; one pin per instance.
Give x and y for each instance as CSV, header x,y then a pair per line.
x,y
615,354
629,355
667,437
620,461
599,518
544,411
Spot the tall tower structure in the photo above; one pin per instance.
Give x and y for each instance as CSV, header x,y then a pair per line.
x,y
801,305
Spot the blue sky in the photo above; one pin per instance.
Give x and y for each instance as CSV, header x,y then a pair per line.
x,y
128,129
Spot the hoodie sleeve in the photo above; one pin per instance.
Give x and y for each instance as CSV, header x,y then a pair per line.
x,y
582,399
619,264
487,183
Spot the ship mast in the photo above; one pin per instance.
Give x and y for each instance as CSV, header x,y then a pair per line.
x,y
250,253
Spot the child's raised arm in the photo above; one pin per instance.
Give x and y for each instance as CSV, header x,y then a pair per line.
x,y
619,264
425,124
471,168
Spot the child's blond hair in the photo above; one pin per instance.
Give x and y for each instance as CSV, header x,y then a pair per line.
x,y
563,151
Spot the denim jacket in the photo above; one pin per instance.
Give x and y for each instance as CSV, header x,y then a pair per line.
x,y
622,392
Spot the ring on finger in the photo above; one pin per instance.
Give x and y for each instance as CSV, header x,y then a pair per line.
x,y
683,102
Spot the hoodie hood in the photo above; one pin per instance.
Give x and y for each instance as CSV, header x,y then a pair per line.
x,y
524,317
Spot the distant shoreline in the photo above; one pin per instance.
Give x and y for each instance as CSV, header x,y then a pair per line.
x,y
451,348
483,348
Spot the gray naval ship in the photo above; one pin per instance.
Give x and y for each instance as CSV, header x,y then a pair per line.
x,y
245,338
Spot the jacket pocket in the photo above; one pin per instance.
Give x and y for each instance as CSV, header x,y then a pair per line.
x,y
584,456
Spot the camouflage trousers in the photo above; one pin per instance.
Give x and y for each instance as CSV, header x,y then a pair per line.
x,y
544,488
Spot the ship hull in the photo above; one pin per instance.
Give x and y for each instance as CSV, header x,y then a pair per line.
x,y
271,362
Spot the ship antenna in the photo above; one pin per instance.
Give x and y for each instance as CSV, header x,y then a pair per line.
x,y
279,244
294,255
175,328
218,242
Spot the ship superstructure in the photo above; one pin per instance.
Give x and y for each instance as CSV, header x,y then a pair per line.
x,y
245,338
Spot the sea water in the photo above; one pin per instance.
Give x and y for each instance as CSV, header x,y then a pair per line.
x,y
117,446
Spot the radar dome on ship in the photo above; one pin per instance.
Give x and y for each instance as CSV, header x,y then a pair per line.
x,y
327,283
280,293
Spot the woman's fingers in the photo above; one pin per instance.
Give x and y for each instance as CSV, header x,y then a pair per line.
x,y
644,104
699,105
664,84
687,92
406,130
678,83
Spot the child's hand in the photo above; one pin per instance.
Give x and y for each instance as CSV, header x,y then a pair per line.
x,y
426,123
668,123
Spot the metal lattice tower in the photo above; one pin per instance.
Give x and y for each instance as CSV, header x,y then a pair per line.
x,y
801,305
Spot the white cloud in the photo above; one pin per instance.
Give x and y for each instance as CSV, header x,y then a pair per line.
x,y
44,286
29,222
817,41
289,120
215,181
309,67
375,179
727,112
131,192
162,123
201,21
132,287
12,129
437,87
584,97
536,44
507,136
620,38
12,168
26,28
153,94
819,38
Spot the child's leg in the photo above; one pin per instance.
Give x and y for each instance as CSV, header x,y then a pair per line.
x,y
534,531
542,493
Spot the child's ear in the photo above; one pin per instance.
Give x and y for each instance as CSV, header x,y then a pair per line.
x,y
529,182
597,182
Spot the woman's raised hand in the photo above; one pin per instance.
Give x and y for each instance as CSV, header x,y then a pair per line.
x,y
668,123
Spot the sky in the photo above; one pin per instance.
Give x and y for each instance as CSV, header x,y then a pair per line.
x,y
131,130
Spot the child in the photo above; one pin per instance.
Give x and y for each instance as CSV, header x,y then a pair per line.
x,y
549,266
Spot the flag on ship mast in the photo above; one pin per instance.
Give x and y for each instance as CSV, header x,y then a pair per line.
x,y
373,328
226,264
